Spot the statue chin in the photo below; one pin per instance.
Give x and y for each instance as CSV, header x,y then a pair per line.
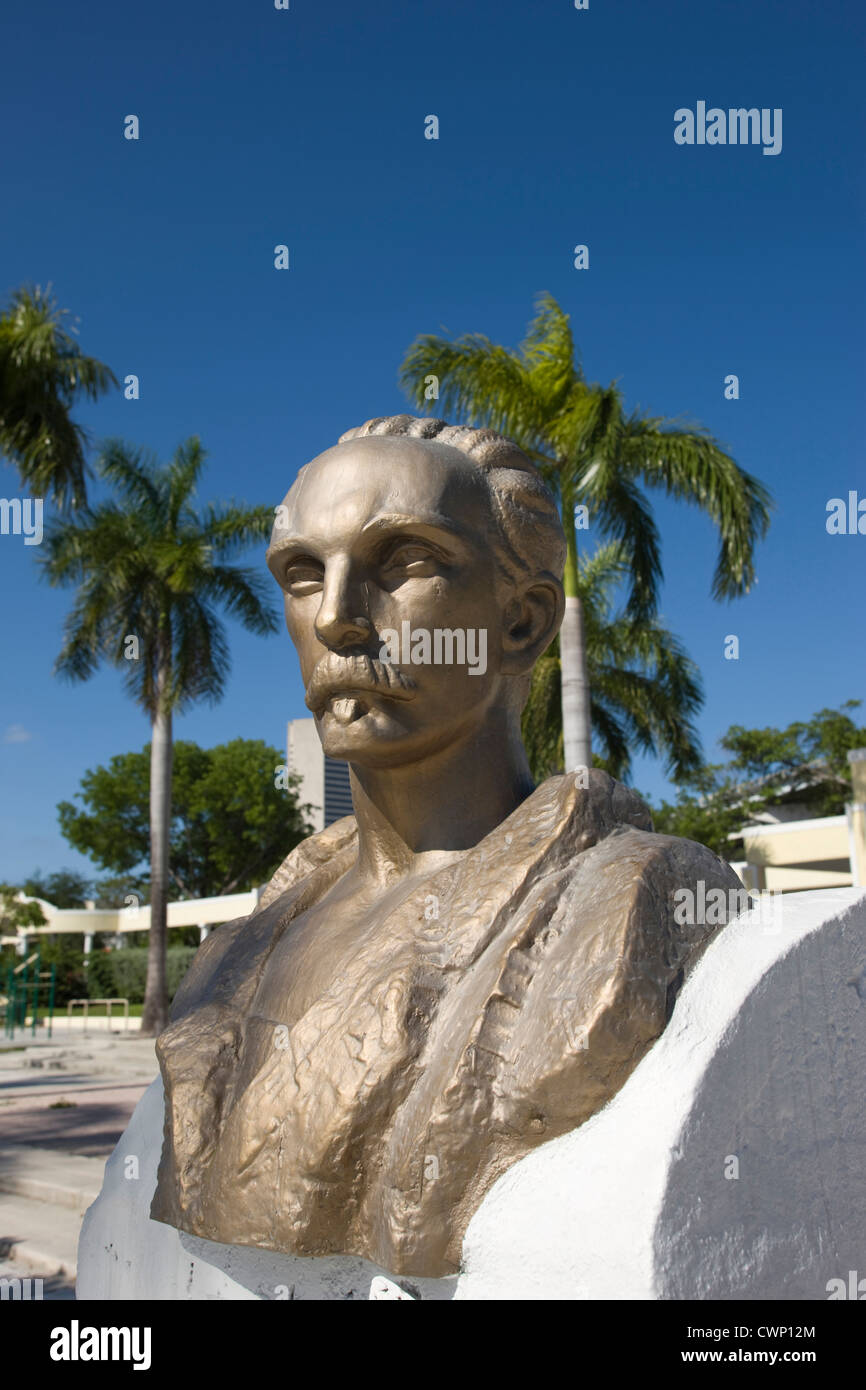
x,y
382,733
353,730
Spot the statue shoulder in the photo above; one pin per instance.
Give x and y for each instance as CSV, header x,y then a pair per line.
x,y
310,855
595,978
642,904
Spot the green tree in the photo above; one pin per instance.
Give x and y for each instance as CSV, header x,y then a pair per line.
x,y
715,801
63,888
151,573
231,826
595,454
644,688
826,738
43,373
14,914
115,890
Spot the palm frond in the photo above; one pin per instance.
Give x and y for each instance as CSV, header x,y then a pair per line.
x,y
688,464
134,475
480,383
42,373
231,528
184,472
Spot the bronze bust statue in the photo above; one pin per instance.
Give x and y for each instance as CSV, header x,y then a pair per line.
x,y
467,967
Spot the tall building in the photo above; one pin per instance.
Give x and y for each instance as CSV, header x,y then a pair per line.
x,y
324,781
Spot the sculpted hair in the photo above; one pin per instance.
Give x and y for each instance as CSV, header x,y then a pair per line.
x,y
532,541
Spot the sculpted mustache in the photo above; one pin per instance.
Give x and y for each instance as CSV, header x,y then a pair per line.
x,y
335,674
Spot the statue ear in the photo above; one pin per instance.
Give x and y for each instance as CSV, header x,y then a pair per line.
x,y
531,620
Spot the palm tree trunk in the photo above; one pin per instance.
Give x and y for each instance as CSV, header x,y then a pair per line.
x,y
576,728
155,1012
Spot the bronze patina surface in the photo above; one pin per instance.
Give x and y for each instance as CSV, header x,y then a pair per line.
x,y
468,966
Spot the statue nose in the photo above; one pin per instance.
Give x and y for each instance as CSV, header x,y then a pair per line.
x,y
341,620
336,631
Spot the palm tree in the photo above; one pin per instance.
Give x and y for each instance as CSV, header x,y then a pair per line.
x,y
42,373
151,572
594,454
644,688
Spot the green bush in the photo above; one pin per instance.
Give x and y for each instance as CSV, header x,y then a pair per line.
x,y
100,978
122,974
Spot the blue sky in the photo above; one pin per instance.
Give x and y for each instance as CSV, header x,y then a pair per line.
x,y
306,127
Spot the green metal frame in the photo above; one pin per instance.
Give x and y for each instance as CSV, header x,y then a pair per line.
x,y
22,987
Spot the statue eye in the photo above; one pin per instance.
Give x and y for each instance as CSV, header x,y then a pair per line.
x,y
411,556
303,576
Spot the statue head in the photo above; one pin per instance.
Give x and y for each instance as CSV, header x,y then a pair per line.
x,y
421,565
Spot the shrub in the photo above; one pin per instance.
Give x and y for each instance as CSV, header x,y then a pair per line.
x,y
122,974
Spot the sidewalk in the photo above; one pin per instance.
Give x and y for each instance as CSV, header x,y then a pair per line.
x,y
64,1104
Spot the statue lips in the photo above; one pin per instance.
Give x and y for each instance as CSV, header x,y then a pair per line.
x,y
345,680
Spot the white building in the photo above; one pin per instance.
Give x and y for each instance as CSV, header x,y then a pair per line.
x,y
324,781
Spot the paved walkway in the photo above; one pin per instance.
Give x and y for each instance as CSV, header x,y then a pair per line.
x,y
75,1116
72,1093
64,1104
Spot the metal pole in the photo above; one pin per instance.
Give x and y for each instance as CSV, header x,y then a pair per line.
x,y
23,993
51,1000
34,1007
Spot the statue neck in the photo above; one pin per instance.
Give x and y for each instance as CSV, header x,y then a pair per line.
x,y
409,817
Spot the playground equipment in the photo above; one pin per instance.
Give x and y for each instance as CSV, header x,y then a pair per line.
x,y
76,1003
22,995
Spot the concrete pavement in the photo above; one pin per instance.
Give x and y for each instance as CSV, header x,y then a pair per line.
x,y
64,1104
